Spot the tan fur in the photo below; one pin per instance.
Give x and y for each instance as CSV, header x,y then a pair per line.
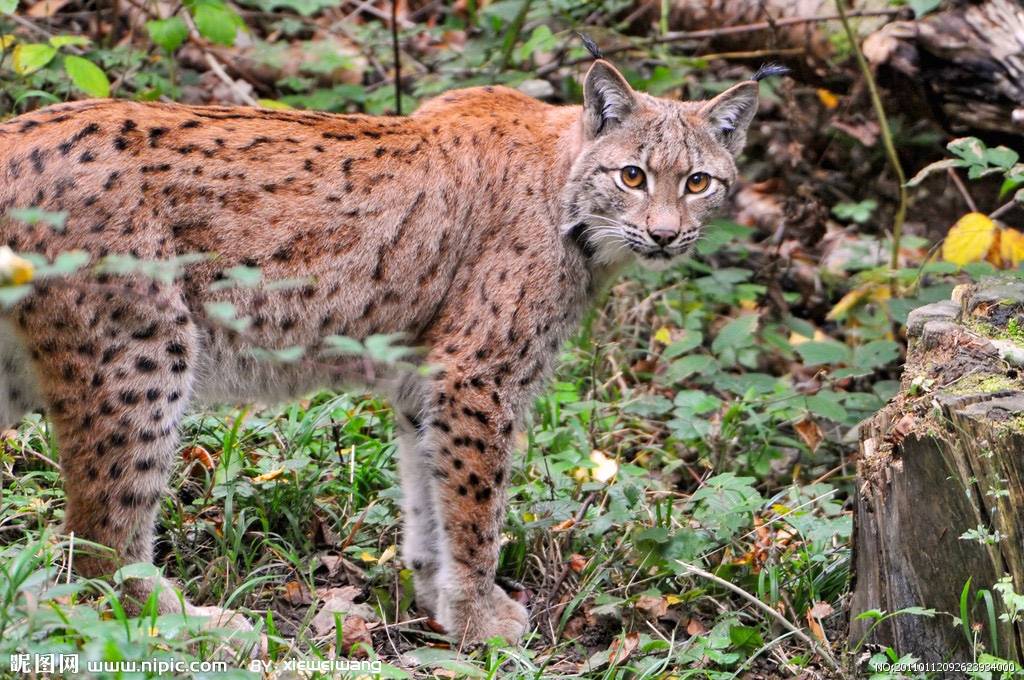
x,y
479,227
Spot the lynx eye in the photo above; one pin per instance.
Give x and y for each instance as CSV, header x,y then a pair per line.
x,y
633,177
698,182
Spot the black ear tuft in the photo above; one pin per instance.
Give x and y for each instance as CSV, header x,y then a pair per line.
x,y
770,70
591,46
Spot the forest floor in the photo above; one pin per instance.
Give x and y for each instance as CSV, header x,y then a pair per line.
x,y
700,435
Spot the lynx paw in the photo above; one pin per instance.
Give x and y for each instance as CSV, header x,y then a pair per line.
x,y
472,619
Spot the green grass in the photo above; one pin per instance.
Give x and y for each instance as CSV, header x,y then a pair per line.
x,y
304,497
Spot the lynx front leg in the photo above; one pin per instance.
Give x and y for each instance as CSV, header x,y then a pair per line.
x,y
116,374
470,435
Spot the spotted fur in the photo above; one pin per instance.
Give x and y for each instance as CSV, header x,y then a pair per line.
x,y
480,228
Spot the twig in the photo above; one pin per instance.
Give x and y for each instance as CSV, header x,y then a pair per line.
x,y
962,189
25,23
754,54
587,502
398,57
883,126
782,620
214,65
682,36
219,71
1004,208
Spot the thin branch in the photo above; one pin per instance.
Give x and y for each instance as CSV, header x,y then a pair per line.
x,y
397,57
883,126
782,620
580,514
1004,208
219,71
703,34
962,188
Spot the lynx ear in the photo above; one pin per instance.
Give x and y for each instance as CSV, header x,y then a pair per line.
x,y
607,99
729,115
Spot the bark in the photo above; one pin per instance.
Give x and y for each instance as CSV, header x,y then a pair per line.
x,y
967,63
946,457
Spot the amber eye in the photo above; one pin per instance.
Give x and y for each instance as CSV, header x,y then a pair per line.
x,y
633,177
698,182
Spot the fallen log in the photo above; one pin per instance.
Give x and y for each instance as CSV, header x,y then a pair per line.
x,y
940,484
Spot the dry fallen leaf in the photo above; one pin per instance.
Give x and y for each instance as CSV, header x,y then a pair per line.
x,y
564,525
827,98
810,433
822,609
696,627
268,476
200,455
296,593
651,606
339,600
620,648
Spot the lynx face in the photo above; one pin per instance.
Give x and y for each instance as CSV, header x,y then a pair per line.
x,y
651,171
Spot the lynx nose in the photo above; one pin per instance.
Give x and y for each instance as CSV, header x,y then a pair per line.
x,y
664,231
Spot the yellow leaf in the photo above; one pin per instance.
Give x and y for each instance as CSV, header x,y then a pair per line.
x,y
871,291
663,336
367,557
828,99
268,476
6,41
1011,247
673,599
14,270
388,554
606,467
969,239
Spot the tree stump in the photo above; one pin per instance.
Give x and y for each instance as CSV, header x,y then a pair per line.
x,y
940,483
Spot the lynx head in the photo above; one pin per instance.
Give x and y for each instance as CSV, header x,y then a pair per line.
x,y
651,171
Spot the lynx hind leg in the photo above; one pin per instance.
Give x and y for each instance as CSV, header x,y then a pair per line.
x,y
420,539
115,372
471,430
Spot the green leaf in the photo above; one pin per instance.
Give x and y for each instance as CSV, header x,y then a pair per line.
x,y
59,41
8,6
32,57
875,354
691,340
922,7
856,212
216,23
826,405
970,149
168,34
818,352
1001,156
87,76
136,570
303,7
34,215
737,333
745,637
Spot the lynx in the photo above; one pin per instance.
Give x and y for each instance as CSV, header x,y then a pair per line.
x,y
480,227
